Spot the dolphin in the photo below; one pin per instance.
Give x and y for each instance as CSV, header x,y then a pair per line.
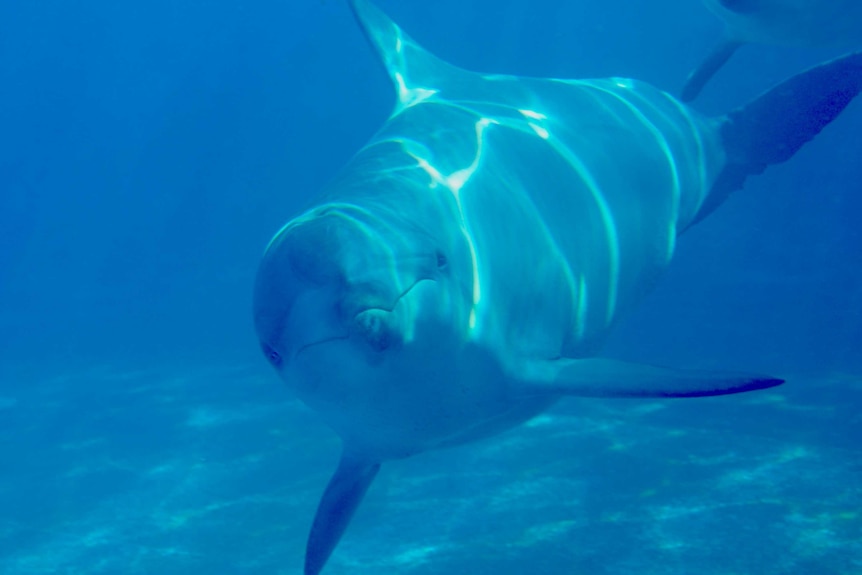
x,y
460,273
803,23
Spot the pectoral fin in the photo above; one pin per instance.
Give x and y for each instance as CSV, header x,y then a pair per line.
x,y
698,77
336,508
610,378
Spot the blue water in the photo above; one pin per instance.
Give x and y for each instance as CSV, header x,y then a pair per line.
x,y
147,154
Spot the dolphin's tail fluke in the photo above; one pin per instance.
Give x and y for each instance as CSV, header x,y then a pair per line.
x,y
773,127
770,129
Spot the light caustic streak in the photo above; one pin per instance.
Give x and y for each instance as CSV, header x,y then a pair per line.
x,y
361,219
581,315
540,130
454,182
676,191
577,289
314,213
577,294
303,217
407,95
410,96
372,227
604,209
702,168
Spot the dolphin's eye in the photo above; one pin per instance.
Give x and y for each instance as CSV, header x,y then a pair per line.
x,y
442,262
273,356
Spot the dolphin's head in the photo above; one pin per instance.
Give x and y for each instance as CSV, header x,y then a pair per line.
x,y
341,293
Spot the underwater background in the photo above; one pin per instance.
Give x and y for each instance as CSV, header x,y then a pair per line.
x,y
148,152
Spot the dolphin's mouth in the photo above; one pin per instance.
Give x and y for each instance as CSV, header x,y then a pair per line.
x,y
373,324
389,308
321,342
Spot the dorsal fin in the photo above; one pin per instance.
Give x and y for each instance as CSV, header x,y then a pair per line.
x,y
416,73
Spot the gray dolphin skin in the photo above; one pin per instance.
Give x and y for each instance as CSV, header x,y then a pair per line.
x,y
804,23
460,273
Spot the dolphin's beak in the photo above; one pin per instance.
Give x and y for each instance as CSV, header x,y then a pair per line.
x,y
297,293
383,328
331,277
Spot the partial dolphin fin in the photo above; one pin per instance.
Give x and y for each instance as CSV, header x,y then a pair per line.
x,y
415,72
342,497
741,6
773,127
707,69
610,378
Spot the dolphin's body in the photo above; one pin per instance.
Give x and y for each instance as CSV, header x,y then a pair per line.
x,y
804,23
460,273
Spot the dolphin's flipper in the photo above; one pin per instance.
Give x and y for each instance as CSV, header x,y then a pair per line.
x,y
336,508
770,129
707,69
610,378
